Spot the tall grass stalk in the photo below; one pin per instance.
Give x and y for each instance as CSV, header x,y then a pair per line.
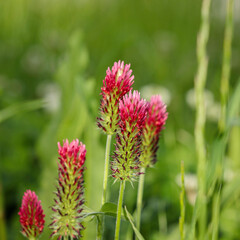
x,y
216,214
139,198
226,64
200,81
182,204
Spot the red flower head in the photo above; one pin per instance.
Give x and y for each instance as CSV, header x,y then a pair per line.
x,y
156,119
72,154
69,196
116,84
31,215
132,111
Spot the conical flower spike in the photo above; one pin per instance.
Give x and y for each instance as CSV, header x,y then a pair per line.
x,y
69,195
132,111
116,84
31,215
155,120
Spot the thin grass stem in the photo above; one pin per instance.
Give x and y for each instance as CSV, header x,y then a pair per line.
x,y
182,204
139,198
216,214
226,64
200,81
225,77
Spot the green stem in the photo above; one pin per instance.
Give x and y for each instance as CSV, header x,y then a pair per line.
x,y
200,81
2,219
32,238
139,198
182,204
119,209
215,214
100,227
105,179
226,64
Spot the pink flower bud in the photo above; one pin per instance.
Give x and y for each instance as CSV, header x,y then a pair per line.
x,y
31,215
132,111
155,120
116,84
67,216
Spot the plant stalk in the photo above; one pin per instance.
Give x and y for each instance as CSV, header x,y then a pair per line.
x,y
139,198
100,228
119,210
105,179
182,204
200,81
226,64
225,77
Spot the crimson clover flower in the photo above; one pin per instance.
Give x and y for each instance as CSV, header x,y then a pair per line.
x,y
132,111
155,120
116,84
67,216
31,215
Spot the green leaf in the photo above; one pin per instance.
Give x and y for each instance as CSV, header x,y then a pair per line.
x,y
191,231
108,209
233,105
230,193
215,167
20,107
130,219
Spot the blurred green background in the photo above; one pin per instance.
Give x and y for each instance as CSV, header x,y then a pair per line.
x,y
53,58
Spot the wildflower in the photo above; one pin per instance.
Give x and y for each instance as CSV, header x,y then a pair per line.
x,y
116,84
31,215
69,195
132,111
155,120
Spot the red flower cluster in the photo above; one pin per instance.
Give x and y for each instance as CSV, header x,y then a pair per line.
x,y
116,84
73,153
157,115
156,119
117,80
132,110
31,215
69,201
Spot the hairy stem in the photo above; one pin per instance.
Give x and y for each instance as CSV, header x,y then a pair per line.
x,y
139,198
105,181
119,209
200,81
106,168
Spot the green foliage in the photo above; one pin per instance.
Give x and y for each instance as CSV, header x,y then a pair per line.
x,y
130,219
49,52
